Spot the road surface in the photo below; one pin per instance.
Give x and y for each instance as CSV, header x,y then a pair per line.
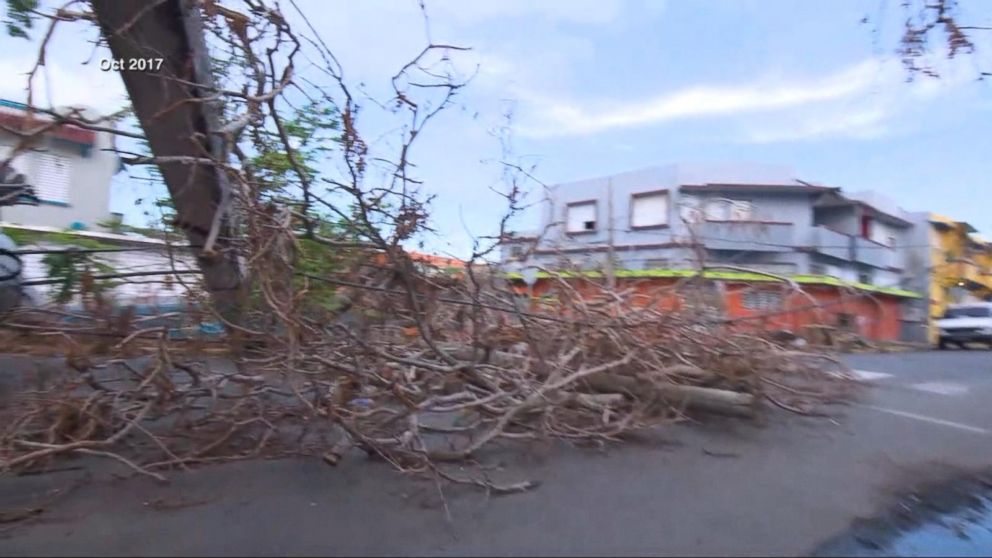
x,y
780,487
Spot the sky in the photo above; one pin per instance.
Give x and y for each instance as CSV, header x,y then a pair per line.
x,y
597,87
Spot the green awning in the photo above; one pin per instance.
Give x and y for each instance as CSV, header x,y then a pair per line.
x,y
725,276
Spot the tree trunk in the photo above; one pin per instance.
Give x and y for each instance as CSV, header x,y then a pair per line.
x,y
177,125
692,398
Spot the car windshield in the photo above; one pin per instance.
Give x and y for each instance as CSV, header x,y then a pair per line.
x,y
968,312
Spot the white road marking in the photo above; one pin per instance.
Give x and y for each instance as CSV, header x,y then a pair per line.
x,y
941,388
931,420
868,375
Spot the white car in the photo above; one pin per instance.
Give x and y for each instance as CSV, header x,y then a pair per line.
x,y
966,323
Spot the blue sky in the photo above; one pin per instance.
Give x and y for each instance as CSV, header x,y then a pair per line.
x,y
604,86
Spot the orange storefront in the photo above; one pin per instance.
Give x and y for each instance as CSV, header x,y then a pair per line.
x,y
750,305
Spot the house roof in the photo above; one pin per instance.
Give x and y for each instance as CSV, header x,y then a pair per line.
x,y
14,115
437,261
433,260
946,222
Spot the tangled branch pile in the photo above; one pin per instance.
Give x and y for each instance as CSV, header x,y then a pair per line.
x,y
336,337
417,381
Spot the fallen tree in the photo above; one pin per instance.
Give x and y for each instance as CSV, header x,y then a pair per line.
x,y
582,373
341,339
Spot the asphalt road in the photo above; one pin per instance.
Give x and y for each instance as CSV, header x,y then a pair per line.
x,y
779,487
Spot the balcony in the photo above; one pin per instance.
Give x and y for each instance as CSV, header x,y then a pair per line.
x,y
964,270
830,243
747,235
838,245
875,254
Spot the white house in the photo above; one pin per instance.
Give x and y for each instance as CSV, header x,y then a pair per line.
x,y
70,170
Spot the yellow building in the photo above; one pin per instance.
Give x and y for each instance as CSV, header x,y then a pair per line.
x,y
960,266
980,252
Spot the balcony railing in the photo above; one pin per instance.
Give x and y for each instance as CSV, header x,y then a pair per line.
x,y
830,243
838,245
747,235
965,270
875,254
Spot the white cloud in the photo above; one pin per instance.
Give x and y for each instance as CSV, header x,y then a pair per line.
x,y
867,123
859,101
552,117
888,106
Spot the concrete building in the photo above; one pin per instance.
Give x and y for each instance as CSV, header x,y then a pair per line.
x,y
759,217
70,169
949,264
661,222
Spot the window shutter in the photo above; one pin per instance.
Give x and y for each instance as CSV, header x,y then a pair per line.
x,y
578,215
649,210
51,177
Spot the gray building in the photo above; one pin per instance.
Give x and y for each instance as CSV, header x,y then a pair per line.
x,y
754,216
70,170
918,276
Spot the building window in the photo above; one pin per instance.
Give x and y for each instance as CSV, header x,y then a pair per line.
x,y
817,269
729,210
51,177
762,300
516,251
580,217
648,210
865,277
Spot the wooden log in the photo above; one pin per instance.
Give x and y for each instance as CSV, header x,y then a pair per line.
x,y
692,398
711,400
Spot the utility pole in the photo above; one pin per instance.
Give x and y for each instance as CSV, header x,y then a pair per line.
x,y
181,126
